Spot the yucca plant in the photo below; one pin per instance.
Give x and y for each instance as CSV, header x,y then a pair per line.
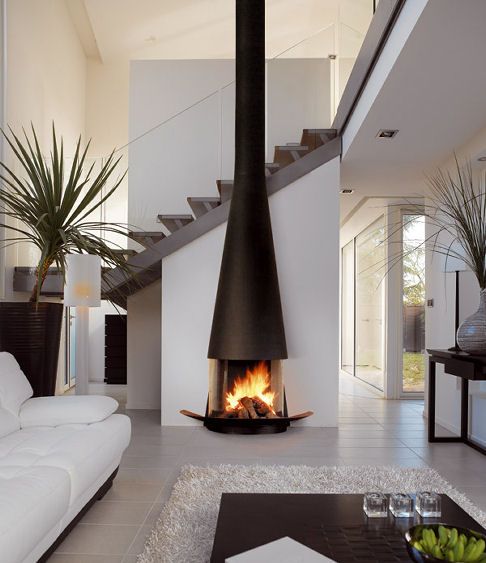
x,y
49,204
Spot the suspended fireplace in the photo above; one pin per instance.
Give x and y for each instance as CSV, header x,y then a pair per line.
x,y
247,344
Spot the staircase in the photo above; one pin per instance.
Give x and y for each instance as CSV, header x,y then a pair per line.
x,y
291,161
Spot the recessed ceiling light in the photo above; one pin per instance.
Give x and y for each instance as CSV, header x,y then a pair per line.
x,y
386,133
482,159
346,191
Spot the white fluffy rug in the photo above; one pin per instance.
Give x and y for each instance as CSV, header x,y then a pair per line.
x,y
185,530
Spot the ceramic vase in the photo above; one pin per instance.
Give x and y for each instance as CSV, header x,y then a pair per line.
x,y
471,335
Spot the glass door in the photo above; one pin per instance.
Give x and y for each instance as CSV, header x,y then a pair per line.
x,y
413,307
370,305
347,308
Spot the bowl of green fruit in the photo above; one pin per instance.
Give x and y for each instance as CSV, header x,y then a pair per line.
x,y
439,542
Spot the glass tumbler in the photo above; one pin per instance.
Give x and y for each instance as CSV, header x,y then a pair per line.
x,y
375,505
401,505
428,504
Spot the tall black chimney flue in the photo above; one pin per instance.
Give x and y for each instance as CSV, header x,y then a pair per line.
x,y
248,321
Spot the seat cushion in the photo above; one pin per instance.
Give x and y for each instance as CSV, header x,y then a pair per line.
x,y
33,501
14,386
84,451
68,409
8,422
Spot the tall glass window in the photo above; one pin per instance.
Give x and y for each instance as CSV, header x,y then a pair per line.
x,y
413,316
370,305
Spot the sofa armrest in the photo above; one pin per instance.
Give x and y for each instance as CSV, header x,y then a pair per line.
x,y
68,409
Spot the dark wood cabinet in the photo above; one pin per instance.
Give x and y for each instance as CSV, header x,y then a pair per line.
x,y
116,349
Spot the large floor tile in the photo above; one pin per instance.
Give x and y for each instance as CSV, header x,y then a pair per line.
x,y
118,512
73,558
140,492
99,539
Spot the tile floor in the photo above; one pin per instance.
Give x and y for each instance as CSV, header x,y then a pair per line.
x,y
371,430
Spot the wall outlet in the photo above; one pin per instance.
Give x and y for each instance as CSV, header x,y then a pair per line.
x,y
430,302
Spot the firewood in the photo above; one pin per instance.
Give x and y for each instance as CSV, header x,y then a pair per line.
x,y
260,406
270,414
248,404
243,413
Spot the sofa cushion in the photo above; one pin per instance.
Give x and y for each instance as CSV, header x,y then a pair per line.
x,y
14,386
33,501
8,422
68,409
84,451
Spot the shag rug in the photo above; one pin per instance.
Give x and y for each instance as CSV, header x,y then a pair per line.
x,y
185,530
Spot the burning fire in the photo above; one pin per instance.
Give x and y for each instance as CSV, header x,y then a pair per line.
x,y
255,384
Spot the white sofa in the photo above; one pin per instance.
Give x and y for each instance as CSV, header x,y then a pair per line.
x,y
56,455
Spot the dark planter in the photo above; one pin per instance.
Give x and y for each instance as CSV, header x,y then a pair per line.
x,y
32,334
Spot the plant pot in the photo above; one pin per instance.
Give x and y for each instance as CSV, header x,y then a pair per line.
x,y
471,335
32,334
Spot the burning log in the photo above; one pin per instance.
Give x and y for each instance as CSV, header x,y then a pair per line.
x,y
248,404
252,408
260,406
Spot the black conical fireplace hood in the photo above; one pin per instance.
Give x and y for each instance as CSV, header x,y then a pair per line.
x,y
248,321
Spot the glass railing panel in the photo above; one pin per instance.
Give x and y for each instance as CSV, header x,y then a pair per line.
x,y
300,90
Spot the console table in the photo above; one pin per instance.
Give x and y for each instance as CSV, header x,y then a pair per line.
x,y
468,368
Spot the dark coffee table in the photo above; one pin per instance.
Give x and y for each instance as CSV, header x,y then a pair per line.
x,y
334,525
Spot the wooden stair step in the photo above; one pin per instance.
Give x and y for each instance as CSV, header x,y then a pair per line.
x,y
175,222
126,252
201,205
286,154
225,189
314,138
147,238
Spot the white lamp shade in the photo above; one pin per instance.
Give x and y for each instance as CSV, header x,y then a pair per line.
x,y
83,281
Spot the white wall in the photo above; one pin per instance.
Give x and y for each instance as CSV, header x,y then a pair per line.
x,y
186,156
143,348
305,219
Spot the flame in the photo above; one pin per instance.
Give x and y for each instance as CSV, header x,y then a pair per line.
x,y
256,383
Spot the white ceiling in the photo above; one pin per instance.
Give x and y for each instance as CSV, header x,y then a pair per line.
x,y
435,95
124,29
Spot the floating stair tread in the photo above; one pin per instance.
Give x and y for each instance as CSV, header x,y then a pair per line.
x,y
315,138
297,147
202,205
225,188
210,199
142,234
147,237
175,222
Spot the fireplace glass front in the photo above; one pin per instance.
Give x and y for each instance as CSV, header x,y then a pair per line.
x,y
245,389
